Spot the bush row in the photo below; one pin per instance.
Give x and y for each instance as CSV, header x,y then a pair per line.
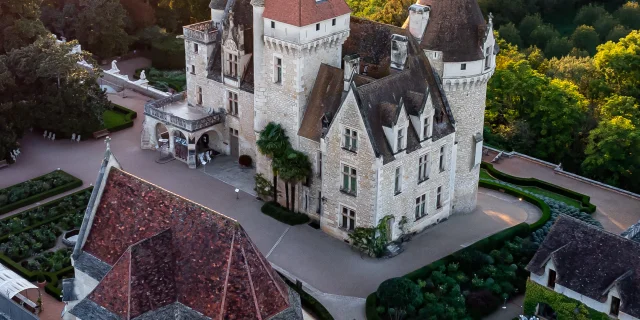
x,y
546,211
533,182
129,115
309,302
36,189
274,210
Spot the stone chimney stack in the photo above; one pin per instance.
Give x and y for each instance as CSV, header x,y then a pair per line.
x,y
418,18
351,66
399,46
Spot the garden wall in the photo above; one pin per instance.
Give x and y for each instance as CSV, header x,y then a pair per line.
x,y
73,183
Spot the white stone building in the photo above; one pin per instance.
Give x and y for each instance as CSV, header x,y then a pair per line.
x,y
390,117
590,265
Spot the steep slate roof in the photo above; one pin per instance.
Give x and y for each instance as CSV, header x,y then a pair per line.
x,y
455,27
590,261
168,255
304,12
325,98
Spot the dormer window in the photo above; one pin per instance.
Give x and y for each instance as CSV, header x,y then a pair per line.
x,y
350,140
317,27
333,22
487,59
463,66
273,24
232,65
400,140
615,306
426,128
551,282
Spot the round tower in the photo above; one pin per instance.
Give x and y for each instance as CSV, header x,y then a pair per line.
x,y
460,45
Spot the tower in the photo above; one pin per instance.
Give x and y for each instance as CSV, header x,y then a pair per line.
x,y
294,39
461,48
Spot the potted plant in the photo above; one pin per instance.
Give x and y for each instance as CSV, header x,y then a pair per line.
x,y
42,281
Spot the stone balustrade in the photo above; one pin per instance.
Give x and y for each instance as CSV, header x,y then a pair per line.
x,y
157,109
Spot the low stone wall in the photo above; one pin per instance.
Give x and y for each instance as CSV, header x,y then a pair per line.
x,y
557,169
120,82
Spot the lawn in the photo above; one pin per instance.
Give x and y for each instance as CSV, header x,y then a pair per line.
x,y
165,79
113,118
484,174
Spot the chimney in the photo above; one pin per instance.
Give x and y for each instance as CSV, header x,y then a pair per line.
x,y
418,18
351,66
398,51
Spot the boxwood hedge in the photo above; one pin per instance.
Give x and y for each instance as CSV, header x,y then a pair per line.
x,y
36,189
274,210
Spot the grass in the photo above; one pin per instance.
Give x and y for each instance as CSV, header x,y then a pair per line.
x,y
113,118
484,174
165,79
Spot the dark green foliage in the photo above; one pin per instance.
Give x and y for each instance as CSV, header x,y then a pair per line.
x,y
165,79
617,33
604,25
119,118
167,53
589,14
274,210
399,295
372,241
528,24
558,47
542,34
481,303
36,189
510,33
629,15
586,38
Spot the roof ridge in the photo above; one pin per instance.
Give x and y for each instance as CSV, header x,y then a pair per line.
x,y
175,194
617,236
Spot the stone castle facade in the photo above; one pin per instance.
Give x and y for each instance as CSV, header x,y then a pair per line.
x,y
390,118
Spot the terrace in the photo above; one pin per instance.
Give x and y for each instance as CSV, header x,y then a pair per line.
x,y
205,31
176,111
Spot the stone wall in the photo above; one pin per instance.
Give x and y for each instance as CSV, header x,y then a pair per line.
x,y
467,105
363,160
309,197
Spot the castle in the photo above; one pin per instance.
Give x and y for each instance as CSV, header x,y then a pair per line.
x,y
391,118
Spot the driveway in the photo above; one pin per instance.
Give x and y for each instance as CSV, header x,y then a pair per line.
x,y
321,262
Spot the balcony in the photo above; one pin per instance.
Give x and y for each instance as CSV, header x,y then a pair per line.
x,y
176,111
205,32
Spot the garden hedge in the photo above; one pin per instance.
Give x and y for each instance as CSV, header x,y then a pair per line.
x,y
533,182
74,183
546,211
129,115
309,302
274,210
563,306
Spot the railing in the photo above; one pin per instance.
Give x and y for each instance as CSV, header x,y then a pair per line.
x,y
203,31
155,109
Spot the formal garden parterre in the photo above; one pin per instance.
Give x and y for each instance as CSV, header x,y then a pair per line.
x,y
30,243
36,189
475,281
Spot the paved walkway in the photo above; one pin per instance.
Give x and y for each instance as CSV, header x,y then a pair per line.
x,y
326,263
615,211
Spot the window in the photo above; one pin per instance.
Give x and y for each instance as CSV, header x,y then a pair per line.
x,y
398,181
487,62
551,282
350,141
195,47
333,22
425,128
193,69
348,218
278,71
349,183
463,66
317,27
233,103
319,163
273,24
400,142
421,202
615,306
439,198
423,168
199,95
477,139
232,65
441,158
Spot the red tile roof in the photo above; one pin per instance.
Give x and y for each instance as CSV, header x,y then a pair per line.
x,y
304,12
166,249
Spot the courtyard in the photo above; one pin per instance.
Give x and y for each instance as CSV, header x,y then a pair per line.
x,y
325,264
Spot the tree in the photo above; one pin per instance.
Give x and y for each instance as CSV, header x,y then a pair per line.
x,y
617,33
20,24
629,15
621,106
619,62
399,295
292,166
604,25
528,24
558,117
558,47
586,38
580,71
510,33
542,35
613,153
100,28
273,143
140,12
589,14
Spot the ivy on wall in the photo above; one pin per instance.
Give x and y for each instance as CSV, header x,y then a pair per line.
x,y
565,307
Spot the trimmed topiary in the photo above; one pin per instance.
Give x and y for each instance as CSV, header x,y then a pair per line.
x,y
399,294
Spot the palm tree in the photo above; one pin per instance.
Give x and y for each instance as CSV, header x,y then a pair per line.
x,y
293,167
273,143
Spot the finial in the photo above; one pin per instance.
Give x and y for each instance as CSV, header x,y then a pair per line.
x,y
107,141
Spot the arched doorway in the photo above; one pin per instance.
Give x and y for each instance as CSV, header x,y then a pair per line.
x,y
180,145
162,135
208,144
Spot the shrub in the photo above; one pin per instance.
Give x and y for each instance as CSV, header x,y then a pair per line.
x,y
36,189
264,187
168,53
399,295
274,210
481,303
245,160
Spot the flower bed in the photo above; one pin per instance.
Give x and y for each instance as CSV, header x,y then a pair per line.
x,y
36,189
31,233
